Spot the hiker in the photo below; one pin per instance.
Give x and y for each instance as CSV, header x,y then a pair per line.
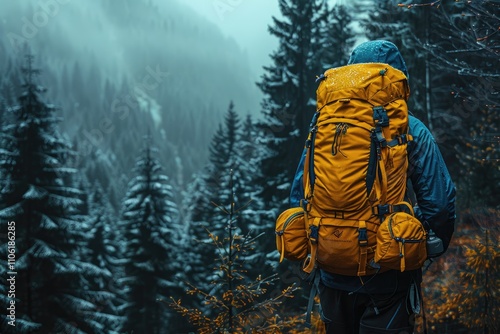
x,y
386,302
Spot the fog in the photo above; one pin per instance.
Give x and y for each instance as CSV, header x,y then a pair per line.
x,y
182,61
246,22
122,37
95,54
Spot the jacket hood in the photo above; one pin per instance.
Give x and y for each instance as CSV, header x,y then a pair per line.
x,y
379,51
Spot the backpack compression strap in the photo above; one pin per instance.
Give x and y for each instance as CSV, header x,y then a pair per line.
x,y
309,179
381,121
381,146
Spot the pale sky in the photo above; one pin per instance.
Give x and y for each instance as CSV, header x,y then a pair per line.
x,y
245,21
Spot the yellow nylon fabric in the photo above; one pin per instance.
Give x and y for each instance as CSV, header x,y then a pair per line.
x,y
401,243
291,235
345,101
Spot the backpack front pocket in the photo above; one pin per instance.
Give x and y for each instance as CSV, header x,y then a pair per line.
x,y
339,247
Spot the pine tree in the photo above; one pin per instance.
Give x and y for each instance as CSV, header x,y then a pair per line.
x,y
288,86
312,38
473,109
39,204
205,194
106,252
337,37
235,303
234,151
151,233
222,158
197,255
249,150
409,31
288,104
464,48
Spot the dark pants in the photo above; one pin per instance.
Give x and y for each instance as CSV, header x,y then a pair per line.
x,y
365,314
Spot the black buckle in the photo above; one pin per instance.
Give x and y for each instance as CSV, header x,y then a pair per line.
x,y
378,137
363,237
380,116
382,209
313,236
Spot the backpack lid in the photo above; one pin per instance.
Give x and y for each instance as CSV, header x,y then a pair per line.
x,y
377,83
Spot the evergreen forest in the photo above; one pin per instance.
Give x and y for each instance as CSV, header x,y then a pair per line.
x,y
142,171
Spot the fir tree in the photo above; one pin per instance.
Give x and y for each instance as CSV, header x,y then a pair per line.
x,y
151,234
408,30
249,150
106,252
234,151
288,86
204,193
40,201
235,303
312,38
231,152
337,37
306,34
464,48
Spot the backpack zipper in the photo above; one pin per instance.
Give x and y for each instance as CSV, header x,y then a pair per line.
x,y
296,214
340,130
399,239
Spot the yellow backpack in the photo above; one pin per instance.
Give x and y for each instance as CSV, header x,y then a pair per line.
x,y
355,176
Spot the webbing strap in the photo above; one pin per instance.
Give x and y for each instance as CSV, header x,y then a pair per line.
x,y
381,120
382,178
363,248
371,173
312,295
282,256
415,298
400,140
312,176
384,209
306,176
309,176
310,264
402,254
379,135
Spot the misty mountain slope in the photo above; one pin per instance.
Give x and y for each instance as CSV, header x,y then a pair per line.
x,y
119,70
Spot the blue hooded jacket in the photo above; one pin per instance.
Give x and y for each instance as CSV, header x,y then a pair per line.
x,y
432,185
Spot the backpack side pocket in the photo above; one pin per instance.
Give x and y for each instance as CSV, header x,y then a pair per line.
x,y
291,235
401,243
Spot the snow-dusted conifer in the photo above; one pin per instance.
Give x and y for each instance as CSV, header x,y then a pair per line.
x,y
105,251
289,85
151,233
39,198
232,301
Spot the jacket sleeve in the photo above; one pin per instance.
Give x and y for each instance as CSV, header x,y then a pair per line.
x,y
431,182
297,190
